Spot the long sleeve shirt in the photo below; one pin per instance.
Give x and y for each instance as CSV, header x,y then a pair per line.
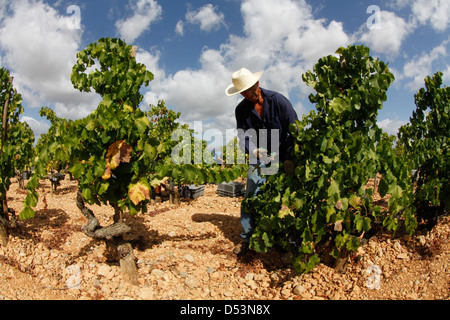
x,y
278,114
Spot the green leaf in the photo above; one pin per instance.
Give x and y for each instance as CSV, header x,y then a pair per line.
x,y
307,236
333,189
366,224
87,194
354,201
150,151
77,170
338,105
103,188
383,187
31,199
190,173
142,124
26,213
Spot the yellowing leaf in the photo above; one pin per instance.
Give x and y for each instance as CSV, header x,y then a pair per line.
x,y
139,192
118,152
283,213
128,107
338,226
354,201
107,173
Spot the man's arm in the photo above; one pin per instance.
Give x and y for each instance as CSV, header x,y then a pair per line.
x,y
288,116
248,137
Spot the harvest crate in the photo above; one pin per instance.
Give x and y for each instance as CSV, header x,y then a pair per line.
x,y
193,191
231,189
55,179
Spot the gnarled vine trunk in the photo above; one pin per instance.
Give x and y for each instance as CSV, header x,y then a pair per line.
x,y
7,221
113,236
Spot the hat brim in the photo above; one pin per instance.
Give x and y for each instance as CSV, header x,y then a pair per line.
x,y
232,91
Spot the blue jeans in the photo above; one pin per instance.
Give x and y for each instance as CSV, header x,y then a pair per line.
x,y
254,182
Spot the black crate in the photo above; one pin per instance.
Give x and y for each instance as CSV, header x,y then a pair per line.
x,y
193,191
231,189
56,177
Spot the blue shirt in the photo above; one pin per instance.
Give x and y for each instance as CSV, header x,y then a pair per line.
x,y
278,114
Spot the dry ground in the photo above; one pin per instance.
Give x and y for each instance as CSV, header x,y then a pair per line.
x,y
185,252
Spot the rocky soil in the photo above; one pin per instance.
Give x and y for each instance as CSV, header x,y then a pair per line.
x,y
186,252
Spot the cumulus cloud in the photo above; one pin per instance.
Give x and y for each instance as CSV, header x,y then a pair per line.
x,y
39,127
179,28
145,13
281,37
446,76
39,47
435,12
198,93
388,38
390,126
207,17
415,70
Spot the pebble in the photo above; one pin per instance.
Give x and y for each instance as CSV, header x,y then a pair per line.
x,y
146,293
103,270
403,256
192,282
299,289
158,273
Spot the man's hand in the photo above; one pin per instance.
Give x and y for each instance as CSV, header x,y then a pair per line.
x,y
289,166
262,154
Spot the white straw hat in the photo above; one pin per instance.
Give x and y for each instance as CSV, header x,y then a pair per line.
x,y
242,80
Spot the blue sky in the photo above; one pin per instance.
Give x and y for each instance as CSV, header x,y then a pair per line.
x,y
193,47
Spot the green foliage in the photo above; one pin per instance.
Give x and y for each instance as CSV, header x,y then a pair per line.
x,y
119,151
337,150
16,144
426,142
51,147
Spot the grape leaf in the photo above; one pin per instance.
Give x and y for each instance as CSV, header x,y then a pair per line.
x,y
139,192
118,152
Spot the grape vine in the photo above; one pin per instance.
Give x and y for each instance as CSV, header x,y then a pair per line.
x,y
16,146
337,150
426,143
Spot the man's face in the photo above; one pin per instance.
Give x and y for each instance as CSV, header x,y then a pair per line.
x,y
253,94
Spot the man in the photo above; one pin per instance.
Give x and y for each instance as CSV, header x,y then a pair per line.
x,y
263,113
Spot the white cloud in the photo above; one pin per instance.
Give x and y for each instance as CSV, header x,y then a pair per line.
x,y
39,47
436,12
391,126
280,37
145,13
446,76
199,94
39,127
207,18
179,28
388,38
421,66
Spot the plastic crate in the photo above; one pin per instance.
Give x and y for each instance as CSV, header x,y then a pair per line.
x,y
193,191
56,177
231,189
